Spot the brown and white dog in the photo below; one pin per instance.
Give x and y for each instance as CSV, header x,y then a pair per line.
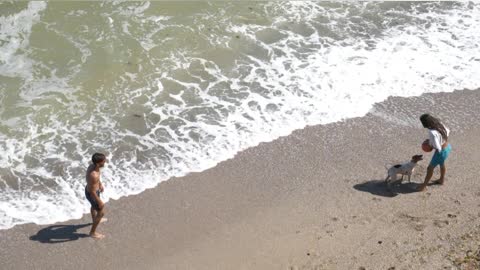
x,y
403,169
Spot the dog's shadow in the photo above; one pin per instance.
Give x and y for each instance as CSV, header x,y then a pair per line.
x,y
59,234
380,188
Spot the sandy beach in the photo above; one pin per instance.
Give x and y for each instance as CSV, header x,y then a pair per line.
x,y
311,200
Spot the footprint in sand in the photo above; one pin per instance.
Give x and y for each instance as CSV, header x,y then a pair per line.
x,y
409,217
415,222
441,223
419,227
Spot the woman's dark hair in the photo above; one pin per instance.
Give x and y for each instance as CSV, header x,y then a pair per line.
x,y
431,122
97,158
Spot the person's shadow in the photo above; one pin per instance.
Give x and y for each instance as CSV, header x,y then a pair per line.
x,y
59,234
380,188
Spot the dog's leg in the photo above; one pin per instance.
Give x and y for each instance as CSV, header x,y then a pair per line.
x,y
386,179
410,174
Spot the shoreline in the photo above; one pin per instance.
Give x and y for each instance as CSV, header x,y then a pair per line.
x,y
309,200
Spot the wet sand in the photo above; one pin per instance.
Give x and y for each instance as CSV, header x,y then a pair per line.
x,y
311,200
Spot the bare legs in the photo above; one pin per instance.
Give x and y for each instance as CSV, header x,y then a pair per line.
x,y
443,171
93,212
427,178
96,219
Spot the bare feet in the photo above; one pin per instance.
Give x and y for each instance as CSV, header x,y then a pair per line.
x,y
103,220
422,187
438,182
97,236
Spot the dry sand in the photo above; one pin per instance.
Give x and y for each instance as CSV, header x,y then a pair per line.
x,y
311,200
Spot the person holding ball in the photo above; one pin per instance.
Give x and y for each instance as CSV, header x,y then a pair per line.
x,y
438,141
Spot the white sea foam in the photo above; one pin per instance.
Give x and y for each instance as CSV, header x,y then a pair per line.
x,y
14,32
195,110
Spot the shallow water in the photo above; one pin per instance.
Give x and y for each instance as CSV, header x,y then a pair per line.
x,y
167,88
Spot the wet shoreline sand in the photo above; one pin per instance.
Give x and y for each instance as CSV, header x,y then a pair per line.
x,y
310,200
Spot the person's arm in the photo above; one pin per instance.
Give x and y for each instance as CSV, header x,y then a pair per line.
x,y
91,189
447,130
100,186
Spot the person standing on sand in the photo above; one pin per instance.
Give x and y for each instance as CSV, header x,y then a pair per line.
x,y
438,139
92,192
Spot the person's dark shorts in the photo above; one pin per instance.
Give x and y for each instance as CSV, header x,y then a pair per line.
x,y
92,201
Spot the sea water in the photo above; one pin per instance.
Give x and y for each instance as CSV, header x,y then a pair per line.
x,y
168,88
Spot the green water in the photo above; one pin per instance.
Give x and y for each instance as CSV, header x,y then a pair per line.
x,y
168,88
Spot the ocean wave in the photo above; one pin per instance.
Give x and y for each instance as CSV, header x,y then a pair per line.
x,y
169,89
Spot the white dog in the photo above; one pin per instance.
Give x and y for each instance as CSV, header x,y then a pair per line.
x,y
403,169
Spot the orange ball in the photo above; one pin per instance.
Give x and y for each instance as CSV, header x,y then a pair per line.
x,y
426,147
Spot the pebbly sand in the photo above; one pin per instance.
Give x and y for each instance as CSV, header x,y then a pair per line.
x,y
311,200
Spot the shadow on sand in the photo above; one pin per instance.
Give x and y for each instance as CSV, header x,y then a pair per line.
x,y
379,188
59,234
